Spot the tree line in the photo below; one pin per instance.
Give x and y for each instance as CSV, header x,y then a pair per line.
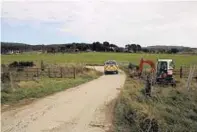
x,y
7,47
53,48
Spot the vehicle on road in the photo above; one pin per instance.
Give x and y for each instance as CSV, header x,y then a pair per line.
x,y
163,69
111,66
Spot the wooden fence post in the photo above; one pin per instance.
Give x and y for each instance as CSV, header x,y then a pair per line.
x,y
74,72
181,72
188,79
27,74
11,81
37,72
49,75
42,65
61,72
191,73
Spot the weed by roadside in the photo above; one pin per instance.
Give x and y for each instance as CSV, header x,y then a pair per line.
x,y
45,86
169,109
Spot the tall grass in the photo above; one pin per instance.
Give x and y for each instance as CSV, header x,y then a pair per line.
x,y
169,109
44,86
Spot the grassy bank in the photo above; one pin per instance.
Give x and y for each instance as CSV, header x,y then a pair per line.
x,y
44,86
96,57
168,110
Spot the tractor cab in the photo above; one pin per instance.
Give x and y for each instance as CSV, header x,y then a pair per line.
x,y
164,71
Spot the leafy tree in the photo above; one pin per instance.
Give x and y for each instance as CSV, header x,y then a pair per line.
x,y
139,48
134,47
127,46
106,44
62,49
145,50
174,50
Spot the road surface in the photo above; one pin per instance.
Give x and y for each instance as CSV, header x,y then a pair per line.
x,y
79,109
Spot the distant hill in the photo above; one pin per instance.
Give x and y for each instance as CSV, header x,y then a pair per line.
x,y
95,46
13,44
7,47
166,47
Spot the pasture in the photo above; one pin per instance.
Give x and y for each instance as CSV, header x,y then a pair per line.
x,y
60,59
96,58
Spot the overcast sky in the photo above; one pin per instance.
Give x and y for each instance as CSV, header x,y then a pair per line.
x,y
144,23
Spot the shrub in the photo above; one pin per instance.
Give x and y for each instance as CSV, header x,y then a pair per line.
x,y
16,64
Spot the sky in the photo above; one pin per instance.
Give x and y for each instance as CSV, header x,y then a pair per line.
x,y
119,22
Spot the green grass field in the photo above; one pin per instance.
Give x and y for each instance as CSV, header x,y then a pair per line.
x,y
96,57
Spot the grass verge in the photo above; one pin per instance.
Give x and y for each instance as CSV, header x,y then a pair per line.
x,y
45,86
168,110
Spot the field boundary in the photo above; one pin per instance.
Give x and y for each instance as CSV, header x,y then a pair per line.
x,y
10,76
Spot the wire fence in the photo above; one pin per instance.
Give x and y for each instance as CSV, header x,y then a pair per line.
x,y
182,72
9,76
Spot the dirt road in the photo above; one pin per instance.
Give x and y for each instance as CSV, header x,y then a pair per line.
x,y
79,109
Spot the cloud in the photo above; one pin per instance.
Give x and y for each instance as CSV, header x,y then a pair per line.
x,y
146,23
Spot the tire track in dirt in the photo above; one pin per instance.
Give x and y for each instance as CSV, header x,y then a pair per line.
x,y
79,109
